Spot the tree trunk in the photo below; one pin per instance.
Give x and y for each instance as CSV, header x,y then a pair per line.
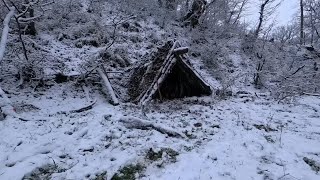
x,y
261,18
312,27
31,30
301,23
31,26
197,9
240,11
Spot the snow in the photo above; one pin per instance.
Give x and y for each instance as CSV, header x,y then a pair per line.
x,y
226,145
247,135
239,153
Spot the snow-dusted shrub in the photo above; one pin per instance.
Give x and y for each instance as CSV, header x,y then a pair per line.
x,y
214,60
72,20
44,172
285,70
129,172
91,34
63,14
210,57
300,76
144,9
248,44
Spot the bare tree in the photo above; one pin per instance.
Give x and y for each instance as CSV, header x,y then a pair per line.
x,y
267,8
284,34
240,10
311,21
301,22
197,9
233,10
315,10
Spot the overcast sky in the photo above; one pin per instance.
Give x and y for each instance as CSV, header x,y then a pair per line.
x,y
283,15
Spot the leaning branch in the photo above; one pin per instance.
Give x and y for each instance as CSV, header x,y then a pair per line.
x,y
86,108
108,86
3,43
5,32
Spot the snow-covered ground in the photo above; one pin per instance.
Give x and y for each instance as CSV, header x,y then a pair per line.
x,y
240,150
245,137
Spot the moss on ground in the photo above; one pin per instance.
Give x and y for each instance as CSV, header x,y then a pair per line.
x,y
128,172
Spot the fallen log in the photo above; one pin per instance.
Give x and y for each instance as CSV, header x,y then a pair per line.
x,y
109,89
137,123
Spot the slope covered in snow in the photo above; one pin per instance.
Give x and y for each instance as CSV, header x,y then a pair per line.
x,y
69,130
246,137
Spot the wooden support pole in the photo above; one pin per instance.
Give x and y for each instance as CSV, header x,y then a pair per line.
x,y
181,50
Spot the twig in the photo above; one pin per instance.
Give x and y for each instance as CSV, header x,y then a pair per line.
x,y
21,79
38,46
280,139
27,120
55,165
86,108
310,94
115,25
21,40
296,71
283,176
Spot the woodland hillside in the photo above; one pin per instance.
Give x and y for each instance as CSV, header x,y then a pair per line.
x,y
158,89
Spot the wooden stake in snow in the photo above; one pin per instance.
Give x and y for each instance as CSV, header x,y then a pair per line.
x,y
108,86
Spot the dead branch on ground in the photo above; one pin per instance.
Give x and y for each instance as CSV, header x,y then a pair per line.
x,y
136,123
